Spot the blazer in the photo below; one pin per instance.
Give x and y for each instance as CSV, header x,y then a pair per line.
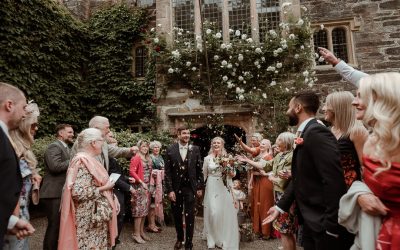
x,y
107,151
122,184
56,162
277,164
317,180
173,172
10,184
136,168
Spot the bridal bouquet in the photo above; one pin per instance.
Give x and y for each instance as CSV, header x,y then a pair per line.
x,y
227,165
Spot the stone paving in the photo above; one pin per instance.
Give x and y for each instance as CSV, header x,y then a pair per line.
x,y
163,240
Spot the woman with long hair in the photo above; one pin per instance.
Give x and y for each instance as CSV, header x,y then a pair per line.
x,y
349,132
23,138
221,227
140,169
88,207
378,105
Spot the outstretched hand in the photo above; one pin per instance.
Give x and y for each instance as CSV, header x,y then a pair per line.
x,y
272,215
237,138
328,56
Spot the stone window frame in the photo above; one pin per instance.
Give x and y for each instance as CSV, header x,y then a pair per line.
x,y
134,61
225,18
350,26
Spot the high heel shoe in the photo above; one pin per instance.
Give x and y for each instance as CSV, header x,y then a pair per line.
x,y
138,239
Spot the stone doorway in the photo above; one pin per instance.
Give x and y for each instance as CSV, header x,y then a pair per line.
x,y
202,137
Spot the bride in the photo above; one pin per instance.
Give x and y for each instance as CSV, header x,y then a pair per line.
x,y
220,216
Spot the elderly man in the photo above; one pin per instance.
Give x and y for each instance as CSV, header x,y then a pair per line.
x,y
12,111
102,123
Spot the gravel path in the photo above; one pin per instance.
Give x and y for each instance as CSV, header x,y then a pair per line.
x,y
164,240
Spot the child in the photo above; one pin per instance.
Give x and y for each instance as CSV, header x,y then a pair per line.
x,y
238,195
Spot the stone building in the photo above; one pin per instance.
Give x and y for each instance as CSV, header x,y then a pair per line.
x,y
366,34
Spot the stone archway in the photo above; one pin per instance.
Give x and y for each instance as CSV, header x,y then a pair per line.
x,y
202,137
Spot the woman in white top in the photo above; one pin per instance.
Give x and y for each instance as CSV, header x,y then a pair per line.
x,y
220,216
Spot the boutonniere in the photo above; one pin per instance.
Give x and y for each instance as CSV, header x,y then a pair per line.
x,y
298,141
190,147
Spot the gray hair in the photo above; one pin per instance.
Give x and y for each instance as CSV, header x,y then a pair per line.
x,y
98,122
154,144
88,136
288,140
258,136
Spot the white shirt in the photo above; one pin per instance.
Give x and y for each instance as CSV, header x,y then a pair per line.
x,y
183,149
4,127
304,124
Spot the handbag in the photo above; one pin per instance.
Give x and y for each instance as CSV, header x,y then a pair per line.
x,y
102,211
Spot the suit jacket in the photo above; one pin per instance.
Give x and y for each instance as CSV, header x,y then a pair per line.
x,y
10,184
317,179
56,162
122,184
173,170
107,151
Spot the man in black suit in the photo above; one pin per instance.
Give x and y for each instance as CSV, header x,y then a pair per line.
x,y
183,180
317,178
56,161
12,111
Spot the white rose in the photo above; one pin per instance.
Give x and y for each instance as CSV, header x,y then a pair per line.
x,y
279,50
230,85
229,46
237,33
258,51
305,73
194,68
208,31
216,57
224,78
276,71
223,46
241,97
237,90
240,57
188,64
273,33
218,35
224,63
231,31
300,22
152,29
263,59
229,66
264,96
273,83
302,47
271,68
244,36
279,65
156,40
249,40
292,36
296,56
241,78
322,26
258,66
170,70
256,63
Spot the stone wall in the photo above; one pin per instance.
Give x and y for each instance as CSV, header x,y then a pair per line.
x,y
376,42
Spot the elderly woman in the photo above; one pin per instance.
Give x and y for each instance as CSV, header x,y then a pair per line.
x,y
140,169
88,207
23,138
262,196
156,190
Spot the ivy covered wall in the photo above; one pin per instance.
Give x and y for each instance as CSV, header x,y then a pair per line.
x,y
74,70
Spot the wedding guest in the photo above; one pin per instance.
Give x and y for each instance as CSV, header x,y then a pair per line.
x,y
317,178
140,169
239,196
156,188
221,227
377,103
262,197
88,207
254,148
12,111
107,151
23,138
122,185
349,132
56,162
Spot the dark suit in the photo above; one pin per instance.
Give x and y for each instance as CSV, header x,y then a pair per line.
x,y
121,187
10,184
56,161
317,186
184,177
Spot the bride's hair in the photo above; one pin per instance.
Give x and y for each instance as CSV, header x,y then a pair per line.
x,y
380,94
223,151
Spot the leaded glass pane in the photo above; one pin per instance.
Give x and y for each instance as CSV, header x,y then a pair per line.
x,y
268,16
184,14
339,43
320,40
212,13
239,16
140,61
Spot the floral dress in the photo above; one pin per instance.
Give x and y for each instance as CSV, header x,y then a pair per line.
x,y
84,194
10,241
141,198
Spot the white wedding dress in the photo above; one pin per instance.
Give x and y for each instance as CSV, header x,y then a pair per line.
x,y
220,216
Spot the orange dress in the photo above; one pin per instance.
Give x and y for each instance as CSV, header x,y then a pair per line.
x,y
262,199
386,186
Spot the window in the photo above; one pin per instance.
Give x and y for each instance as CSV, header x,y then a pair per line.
x,y
337,36
140,61
252,17
146,3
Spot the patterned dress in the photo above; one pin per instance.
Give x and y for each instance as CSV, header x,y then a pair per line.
x,y
349,161
84,194
141,199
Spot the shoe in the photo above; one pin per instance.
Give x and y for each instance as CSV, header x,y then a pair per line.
x,y
138,239
178,245
152,230
145,237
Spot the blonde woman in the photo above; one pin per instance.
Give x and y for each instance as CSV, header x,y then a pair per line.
x,y
23,138
349,132
378,104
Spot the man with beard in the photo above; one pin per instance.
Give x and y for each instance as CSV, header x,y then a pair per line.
x,y
317,178
56,159
183,179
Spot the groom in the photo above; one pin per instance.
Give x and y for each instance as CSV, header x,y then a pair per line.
x,y
183,179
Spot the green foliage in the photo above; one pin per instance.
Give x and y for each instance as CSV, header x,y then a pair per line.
x,y
42,50
75,70
39,147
